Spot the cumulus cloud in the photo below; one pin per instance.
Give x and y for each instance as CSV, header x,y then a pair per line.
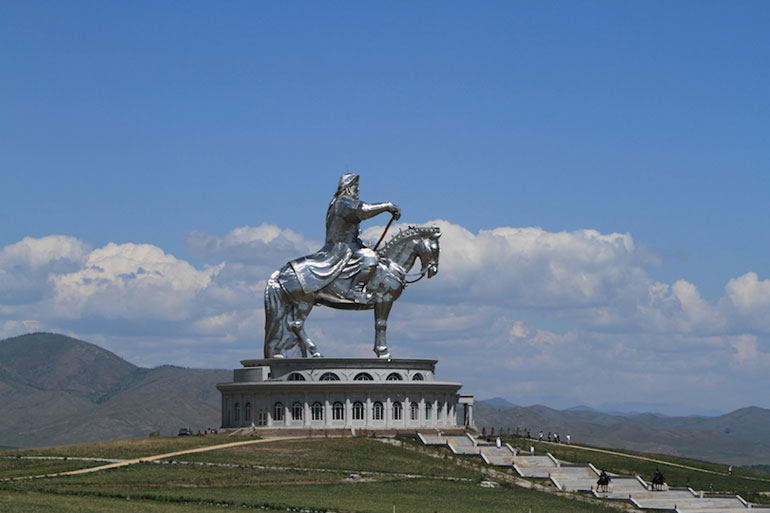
x,y
520,302
534,268
748,298
130,281
264,245
26,265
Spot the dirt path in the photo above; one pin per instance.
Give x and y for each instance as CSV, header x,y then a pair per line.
x,y
157,457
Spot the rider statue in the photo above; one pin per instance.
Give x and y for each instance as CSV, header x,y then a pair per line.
x,y
344,255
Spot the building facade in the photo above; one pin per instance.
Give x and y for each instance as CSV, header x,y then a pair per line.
x,y
341,393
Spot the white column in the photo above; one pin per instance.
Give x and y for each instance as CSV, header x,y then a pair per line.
x,y
348,413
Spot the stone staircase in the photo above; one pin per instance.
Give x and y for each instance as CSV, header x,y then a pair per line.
x,y
538,466
497,456
582,478
574,478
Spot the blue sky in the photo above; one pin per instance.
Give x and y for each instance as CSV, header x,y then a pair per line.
x,y
159,125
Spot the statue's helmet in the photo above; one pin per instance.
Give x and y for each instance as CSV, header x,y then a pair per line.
x,y
346,180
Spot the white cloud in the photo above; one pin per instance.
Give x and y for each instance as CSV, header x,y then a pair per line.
x,y
518,330
746,351
130,281
526,305
747,302
44,252
25,266
533,268
747,293
263,245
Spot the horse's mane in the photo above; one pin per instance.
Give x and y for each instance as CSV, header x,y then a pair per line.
x,y
404,235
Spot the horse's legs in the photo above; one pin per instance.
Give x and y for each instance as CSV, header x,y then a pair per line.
x,y
381,312
302,310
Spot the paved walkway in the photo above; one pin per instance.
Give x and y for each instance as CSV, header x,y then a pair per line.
x,y
582,478
653,460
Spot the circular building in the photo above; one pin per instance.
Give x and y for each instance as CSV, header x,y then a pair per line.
x,y
341,393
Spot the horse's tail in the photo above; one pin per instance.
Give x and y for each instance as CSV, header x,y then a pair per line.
x,y
275,313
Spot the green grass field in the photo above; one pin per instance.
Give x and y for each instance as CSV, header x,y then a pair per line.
x,y
315,475
308,474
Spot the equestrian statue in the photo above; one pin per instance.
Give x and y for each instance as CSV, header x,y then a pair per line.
x,y
346,274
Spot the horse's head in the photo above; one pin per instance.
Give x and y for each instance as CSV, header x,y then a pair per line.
x,y
428,250
414,242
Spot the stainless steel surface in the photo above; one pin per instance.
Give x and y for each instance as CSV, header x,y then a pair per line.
x,y
345,274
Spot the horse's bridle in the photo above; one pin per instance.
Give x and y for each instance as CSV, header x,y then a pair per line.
x,y
422,273
419,275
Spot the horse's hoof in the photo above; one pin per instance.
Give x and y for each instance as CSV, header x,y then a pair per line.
x,y
384,355
278,355
317,355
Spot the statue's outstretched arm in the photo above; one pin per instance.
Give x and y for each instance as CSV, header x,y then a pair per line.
x,y
369,210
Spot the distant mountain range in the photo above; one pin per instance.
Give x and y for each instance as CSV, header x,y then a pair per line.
x,y
57,390
741,437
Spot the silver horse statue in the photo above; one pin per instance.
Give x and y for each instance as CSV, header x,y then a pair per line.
x,y
287,303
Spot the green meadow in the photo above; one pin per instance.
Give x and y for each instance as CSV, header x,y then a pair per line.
x,y
319,475
294,475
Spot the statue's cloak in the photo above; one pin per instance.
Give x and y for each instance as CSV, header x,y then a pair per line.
x,y
319,269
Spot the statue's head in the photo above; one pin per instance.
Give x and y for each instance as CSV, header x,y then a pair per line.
x,y
348,181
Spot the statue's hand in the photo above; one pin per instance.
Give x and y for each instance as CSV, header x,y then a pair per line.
x,y
396,211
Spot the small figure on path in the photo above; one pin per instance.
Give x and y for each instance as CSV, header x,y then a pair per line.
x,y
603,482
657,480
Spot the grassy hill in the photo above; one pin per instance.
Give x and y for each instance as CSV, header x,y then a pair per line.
x,y
741,437
358,474
59,390
296,475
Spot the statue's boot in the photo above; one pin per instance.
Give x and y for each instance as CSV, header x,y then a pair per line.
x,y
356,292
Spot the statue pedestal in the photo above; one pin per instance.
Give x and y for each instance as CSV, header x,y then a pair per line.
x,y
339,393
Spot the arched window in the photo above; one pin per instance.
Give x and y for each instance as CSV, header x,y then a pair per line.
x,y
237,412
317,411
329,376
377,411
413,408
418,377
338,411
262,418
397,410
295,376
296,411
247,412
277,412
358,411
439,410
428,410
394,376
363,376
